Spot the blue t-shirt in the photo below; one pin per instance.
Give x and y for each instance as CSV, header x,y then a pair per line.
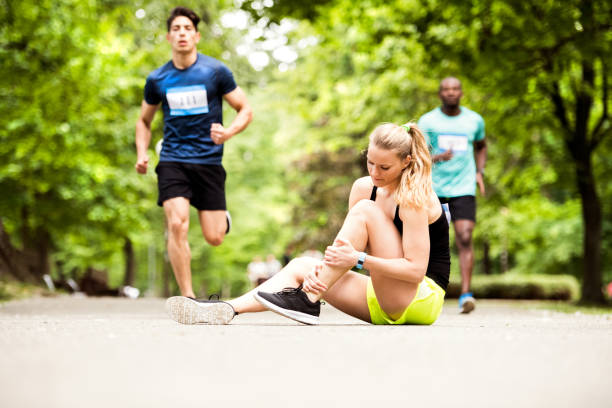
x,y
191,99
457,176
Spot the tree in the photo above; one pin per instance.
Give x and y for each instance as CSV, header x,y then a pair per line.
x,y
534,51
70,85
61,146
537,71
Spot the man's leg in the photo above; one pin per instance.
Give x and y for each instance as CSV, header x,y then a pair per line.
x,y
463,214
463,239
208,186
177,221
214,224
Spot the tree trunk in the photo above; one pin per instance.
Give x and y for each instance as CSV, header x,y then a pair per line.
x,y
42,249
592,221
13,262
36,254
486,258
128,251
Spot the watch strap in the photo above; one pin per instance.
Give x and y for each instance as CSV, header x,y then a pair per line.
x,y
361,260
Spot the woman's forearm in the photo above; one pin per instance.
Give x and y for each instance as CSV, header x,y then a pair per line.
x,y
397,268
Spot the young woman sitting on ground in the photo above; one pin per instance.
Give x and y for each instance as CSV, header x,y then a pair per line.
x,y
395,228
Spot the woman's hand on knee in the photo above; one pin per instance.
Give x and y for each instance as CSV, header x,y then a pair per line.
x,y
311,283
341,255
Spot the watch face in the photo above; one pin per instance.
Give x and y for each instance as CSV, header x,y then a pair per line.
x,y
361,260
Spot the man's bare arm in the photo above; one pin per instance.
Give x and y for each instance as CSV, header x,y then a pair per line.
x,y
446,156
143,135
237,100
480,154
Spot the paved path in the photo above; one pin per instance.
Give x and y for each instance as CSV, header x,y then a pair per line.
x,y
82,352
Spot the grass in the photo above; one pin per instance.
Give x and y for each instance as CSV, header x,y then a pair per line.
x,y
520,286
10,290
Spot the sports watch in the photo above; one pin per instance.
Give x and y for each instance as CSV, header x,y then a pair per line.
x,y
361,260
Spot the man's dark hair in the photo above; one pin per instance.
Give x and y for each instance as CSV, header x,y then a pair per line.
x,y
185,12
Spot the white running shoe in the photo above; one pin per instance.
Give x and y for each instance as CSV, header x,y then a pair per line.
x,y
191,311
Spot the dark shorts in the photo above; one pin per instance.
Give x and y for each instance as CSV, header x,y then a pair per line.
x,y
202,184
461,208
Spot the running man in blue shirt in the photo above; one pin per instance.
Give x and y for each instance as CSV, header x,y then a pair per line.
x,y
190,89
457,136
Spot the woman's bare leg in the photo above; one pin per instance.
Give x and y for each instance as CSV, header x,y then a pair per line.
x,y
367,226
348,295
291,276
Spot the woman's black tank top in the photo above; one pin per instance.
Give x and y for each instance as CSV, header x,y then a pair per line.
x,y
438,267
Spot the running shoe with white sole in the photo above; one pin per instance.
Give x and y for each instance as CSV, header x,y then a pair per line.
x,y
228,217
186,310
467,303
292,303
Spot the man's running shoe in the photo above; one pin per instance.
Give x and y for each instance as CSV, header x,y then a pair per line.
x,y
292,303
191,311
229,222
467,303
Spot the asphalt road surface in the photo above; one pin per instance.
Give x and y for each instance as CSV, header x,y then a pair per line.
x,y
86,352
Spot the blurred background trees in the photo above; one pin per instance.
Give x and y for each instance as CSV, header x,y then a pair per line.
x,y
320,75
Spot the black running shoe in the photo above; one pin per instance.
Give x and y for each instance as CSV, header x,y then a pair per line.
x,y
186,310
292,303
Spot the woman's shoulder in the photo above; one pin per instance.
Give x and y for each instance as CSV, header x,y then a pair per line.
x,y
431,210
434,208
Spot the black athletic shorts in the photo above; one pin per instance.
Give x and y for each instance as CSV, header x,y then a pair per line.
x,y
462,207
202,184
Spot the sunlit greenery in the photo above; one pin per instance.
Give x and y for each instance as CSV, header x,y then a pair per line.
x,y
71,79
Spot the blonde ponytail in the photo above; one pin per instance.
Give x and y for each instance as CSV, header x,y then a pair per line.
x,y
415,185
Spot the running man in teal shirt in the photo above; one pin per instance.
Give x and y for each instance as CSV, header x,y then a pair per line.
x,y
457,137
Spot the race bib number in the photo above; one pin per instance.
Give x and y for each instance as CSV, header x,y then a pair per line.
x,y
187,100
457,143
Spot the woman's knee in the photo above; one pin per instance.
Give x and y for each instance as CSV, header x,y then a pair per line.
x,y
366,210
365,207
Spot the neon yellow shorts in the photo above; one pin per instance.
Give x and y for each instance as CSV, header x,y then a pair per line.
x,y
424,308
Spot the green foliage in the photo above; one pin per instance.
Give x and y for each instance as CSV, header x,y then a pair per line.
x,y
542,236
364,70
382,61
71,82
71,79
10,290
66,102
518,286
